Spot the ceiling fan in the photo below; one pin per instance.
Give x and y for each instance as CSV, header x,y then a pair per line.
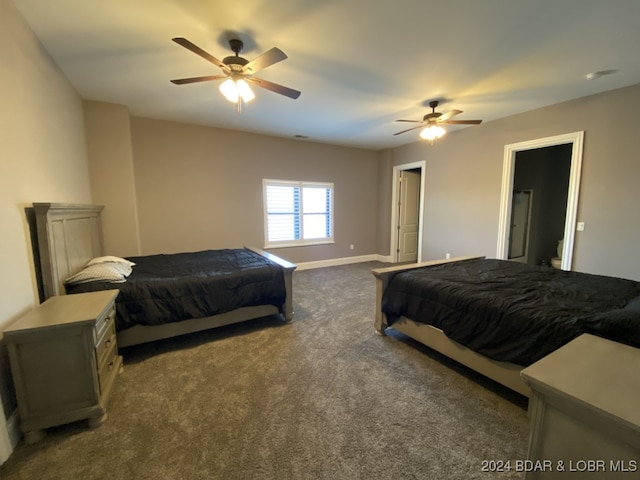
x,y
238,72
431,122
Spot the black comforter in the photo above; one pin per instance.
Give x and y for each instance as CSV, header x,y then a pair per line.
x,y
175,287
513,312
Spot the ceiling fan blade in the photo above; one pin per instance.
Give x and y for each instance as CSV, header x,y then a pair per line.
x,y
198,51
448,115
408,130
462,122
274,87
265,60
412,121
206,78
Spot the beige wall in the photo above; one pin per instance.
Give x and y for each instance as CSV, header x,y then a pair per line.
x,y
464,173
42,159
199,187
385,192
108,133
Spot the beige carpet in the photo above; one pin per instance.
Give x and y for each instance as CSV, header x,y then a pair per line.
x,y
320,398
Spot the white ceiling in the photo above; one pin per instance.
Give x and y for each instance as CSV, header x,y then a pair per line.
x,y
360,64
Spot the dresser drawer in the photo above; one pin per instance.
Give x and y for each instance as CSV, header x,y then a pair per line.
x,y
105,342
103,323
108,369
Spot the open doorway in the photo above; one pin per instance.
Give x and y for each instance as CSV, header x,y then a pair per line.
x,y
407,205
561,223
544,172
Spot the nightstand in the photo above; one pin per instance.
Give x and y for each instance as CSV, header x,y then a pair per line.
x,y
585,413
64,360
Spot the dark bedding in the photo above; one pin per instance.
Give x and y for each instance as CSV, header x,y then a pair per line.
x,y
513,312
175,287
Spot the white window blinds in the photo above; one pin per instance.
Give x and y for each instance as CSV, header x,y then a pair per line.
x,y
297,213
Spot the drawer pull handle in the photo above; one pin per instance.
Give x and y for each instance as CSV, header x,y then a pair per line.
x,y
107,343
110,365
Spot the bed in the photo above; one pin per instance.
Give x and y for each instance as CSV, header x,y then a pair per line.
x,y
163,295
497,317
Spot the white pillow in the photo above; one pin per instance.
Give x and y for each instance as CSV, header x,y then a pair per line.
x,y
106,272
110,259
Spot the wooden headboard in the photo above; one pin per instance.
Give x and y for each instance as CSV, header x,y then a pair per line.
x,y
69,235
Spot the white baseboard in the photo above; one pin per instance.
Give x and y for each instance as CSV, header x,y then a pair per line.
x,y
342,261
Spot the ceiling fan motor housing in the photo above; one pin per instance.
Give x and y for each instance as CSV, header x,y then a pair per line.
x,y
431,116
235,62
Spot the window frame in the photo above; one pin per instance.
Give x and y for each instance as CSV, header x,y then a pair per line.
x,y
301,241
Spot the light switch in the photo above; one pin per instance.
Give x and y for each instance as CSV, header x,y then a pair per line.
x,y
580,226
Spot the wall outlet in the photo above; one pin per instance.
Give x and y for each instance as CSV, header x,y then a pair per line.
x,y
351,247
447,255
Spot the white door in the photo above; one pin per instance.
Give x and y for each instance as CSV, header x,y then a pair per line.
x,y
408,216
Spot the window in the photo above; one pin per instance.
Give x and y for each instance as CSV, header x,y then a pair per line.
x,y
297,213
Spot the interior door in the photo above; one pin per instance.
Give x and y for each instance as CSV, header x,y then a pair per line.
x,y
408,216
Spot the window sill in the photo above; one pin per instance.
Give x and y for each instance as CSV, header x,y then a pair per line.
x,y
301,244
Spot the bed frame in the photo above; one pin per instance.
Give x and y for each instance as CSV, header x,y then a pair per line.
x,y
69,235
505,373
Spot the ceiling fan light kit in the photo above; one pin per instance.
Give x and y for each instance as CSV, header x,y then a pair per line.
x,y
236,90
432,132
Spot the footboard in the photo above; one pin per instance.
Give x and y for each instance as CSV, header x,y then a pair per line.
x,y
505,373
288,269
385,275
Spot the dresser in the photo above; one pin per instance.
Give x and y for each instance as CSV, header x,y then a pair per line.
x,y
64,360
585,412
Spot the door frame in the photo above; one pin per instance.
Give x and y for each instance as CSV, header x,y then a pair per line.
x,y
394,202
508,172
